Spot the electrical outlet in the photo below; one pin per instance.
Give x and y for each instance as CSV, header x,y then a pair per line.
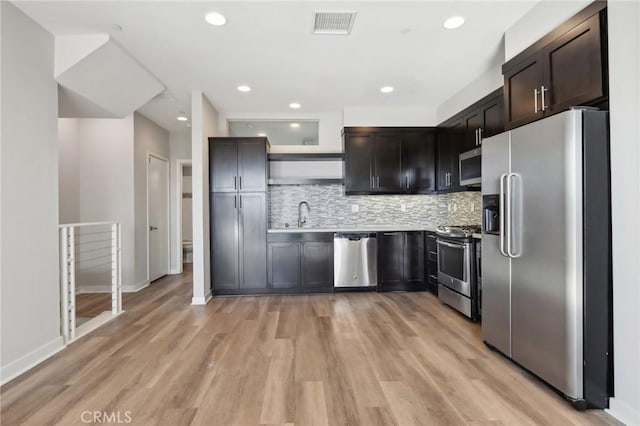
x,y
355,208
403,207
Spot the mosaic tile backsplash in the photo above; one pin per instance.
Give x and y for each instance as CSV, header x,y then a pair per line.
x,y
330,208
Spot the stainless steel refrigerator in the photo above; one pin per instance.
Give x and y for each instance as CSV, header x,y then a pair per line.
x,y
546,256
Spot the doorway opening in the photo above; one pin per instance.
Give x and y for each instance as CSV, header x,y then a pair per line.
x,y
184,213
157,217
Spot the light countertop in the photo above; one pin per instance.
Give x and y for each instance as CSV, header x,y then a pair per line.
x,y
359,228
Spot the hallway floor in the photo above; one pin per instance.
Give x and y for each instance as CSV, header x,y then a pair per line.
x,y
349,358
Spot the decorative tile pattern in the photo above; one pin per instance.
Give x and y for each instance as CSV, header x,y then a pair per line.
x,y
330,207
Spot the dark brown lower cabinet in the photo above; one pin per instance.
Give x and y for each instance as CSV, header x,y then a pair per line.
x,y
431,266
300,262
400,261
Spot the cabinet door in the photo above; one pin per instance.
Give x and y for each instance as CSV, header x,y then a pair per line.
x,y
284,265
252,209
418,161
473,122
414,258
521,102
317,265
387,170
390,253
358,163
223,163
252,166
448,155
492,118
573,67
224,240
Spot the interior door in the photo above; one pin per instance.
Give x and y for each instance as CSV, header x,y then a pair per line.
x,y
546,283
158,217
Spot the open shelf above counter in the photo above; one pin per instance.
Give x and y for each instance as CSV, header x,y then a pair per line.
x,y
306,169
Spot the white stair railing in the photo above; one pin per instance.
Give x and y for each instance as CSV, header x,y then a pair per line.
x,y
90,255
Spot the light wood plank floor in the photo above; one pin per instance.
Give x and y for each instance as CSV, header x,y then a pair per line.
x,y
345,359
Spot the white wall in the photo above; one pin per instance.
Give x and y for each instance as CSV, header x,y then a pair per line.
x,y
624,87
149,138
29,272
389,115
204,125
96,179
179,149
540,20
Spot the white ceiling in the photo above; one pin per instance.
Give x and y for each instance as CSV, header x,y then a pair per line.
x,y
269,46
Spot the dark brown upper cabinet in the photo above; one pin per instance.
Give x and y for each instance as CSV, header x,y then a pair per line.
x,y
418,161
238,164
389,160
482,120
567,67
451,137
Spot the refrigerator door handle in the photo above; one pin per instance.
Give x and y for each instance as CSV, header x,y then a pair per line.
x,y
503,228
510,187
507,219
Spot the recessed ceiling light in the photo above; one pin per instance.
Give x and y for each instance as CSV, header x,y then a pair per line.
x,y
262,134
244,88
386,89
182,118
294,125
215,18
294,105
453,22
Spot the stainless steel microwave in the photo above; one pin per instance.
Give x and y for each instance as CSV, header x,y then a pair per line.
x,y
471,167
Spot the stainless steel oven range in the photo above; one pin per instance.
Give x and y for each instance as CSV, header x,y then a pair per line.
x,y
457,284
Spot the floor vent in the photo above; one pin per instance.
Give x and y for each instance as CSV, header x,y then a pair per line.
x,y
336,23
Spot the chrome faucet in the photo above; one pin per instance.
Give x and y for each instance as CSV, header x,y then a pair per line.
x,y
302,220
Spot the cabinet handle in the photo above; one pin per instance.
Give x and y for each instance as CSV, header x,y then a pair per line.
x,y
235,201
378,182
476,137
240,182
542,90
480,136
235,182
406,180
241,201
535,100
372,183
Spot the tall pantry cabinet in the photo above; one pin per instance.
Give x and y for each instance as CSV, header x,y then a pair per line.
x,y
238,214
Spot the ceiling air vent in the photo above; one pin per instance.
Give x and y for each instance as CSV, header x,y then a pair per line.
x,y
333,22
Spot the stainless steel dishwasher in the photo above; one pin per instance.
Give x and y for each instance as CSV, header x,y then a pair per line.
x,y
355,259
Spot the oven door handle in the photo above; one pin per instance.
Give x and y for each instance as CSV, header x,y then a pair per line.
x,y
453,245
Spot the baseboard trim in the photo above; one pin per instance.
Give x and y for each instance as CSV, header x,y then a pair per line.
x,y
202,300
30,360
623,412
136,287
